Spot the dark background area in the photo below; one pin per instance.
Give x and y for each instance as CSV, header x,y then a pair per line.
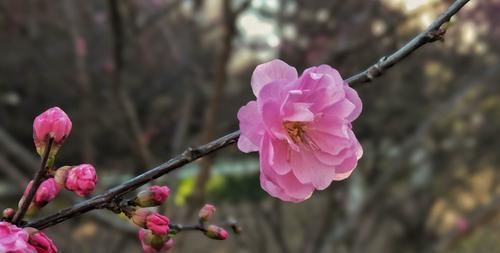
x,y
144,79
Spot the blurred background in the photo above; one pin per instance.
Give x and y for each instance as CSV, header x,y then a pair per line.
x,y
144,79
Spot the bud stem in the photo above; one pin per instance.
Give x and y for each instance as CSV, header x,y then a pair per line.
x,y
37,181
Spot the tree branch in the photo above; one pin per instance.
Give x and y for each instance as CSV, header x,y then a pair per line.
x,y
432,33
37,181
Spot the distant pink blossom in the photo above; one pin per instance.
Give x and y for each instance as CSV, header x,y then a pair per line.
x,y
53,123
14,239
152,196
301,127
207,211
81,179
462,224
41,242
152,243
80,45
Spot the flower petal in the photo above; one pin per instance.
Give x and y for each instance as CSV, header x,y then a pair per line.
x,y
271,71
251,127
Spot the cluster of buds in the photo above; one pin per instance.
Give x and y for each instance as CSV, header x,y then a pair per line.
x,y
154,233
212,231
50,129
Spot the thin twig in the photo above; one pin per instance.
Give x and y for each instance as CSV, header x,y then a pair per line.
x,y
37,181
432,33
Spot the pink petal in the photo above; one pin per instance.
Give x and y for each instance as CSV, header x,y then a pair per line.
x,y
251,127
271,71
278,157
353,97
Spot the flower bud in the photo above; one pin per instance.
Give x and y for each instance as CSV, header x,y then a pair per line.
x,y
45,193
8,213
153,196
207,211
155,222
217,233
40,241
61,175
140,215
81,179
152,243
53,123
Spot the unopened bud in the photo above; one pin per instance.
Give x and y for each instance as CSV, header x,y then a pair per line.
x,y
207,211
153,196
139,216
153,243
217,233
53,123
8,213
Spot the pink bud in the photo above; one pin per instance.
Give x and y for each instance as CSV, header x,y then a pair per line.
x,y
82,179
47,191
217,233
152,243
157,223
207,211
153,196
8,213
53,123
140,215
40,241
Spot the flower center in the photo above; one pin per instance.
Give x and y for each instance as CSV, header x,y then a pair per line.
x,y
298,133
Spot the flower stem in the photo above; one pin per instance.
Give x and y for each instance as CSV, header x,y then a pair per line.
x,y
37,181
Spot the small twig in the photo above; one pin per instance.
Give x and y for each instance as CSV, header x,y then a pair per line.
x,y
190,155
189,227
37,181
433,33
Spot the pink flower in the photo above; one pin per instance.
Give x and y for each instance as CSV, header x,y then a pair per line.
x,y
153,196
81,179
14,239
41,242
206,212
157,223
47,191
301,127
217,233
152,243
54,123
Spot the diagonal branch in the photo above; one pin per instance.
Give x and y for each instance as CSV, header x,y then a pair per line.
x,y
37,181
432,33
